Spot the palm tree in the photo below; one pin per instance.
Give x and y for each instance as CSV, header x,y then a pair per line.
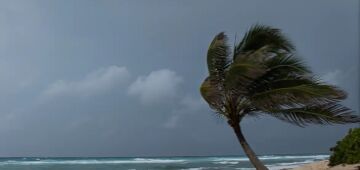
x,y
264,76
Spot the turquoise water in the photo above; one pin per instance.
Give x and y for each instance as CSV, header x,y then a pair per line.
x,y
155,163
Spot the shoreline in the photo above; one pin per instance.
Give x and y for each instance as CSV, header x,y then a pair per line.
x,y
323,165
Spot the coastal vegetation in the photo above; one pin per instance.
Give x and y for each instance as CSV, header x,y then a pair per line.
x,y
262,74
347,151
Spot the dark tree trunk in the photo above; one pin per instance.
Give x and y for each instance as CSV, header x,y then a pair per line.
x,y
247,149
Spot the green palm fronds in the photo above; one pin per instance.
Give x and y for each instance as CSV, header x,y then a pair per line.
x,y
264,75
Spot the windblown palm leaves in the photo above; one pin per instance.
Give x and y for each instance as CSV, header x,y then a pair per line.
x,y
264,76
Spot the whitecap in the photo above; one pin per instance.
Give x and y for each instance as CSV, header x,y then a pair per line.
x,y
227,162
92,161
288,165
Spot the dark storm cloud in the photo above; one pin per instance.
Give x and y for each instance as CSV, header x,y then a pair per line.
x,y
120,78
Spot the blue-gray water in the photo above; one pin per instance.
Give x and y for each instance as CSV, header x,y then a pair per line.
x,y
155,163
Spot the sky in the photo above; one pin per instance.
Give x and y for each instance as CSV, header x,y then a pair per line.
x,y
121,78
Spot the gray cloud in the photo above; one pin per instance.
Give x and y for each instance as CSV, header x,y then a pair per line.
x,y
93,83
158,86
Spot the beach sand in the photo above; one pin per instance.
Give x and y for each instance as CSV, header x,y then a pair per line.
x,y
323,165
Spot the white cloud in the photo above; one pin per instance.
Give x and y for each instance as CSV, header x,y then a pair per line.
x,y
332,77
95,82
158,86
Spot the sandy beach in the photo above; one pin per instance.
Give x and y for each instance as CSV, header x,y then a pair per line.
x,y
323,165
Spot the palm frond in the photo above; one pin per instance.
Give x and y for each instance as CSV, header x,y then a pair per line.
x,y
280,67
240,75
259,55
217,57
265,76
328,113
296,92
212,95
259,36
287,62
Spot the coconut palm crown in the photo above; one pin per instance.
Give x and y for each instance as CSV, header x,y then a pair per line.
x,y
263,75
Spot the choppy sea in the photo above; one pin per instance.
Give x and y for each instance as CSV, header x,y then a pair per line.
x,y
275,162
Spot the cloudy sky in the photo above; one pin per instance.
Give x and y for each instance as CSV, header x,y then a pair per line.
x,y
121,78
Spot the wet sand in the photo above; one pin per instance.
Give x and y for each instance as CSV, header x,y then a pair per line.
x,y
323,165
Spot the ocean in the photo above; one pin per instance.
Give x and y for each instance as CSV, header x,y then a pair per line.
x,y
274,162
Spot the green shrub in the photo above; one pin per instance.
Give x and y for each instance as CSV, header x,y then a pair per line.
x,y
347,151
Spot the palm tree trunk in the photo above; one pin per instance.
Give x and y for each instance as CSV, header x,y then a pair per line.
x,y
247,149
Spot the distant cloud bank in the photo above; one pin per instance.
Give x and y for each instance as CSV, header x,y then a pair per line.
x,y
93,83
156,87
